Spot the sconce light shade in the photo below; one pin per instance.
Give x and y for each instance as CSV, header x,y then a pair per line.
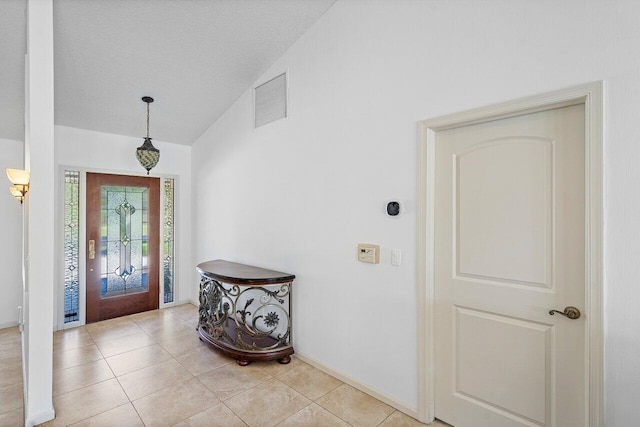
x,y
18,176
17,194
20,179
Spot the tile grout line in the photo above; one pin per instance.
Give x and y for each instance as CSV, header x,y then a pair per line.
x,y
316,400
234,413
386,418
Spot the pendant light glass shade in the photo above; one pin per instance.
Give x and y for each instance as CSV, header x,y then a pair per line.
x,y
147,154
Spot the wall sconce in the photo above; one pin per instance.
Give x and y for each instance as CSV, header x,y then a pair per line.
x,y
20,181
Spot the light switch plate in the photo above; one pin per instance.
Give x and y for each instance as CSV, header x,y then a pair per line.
x,y
396,257
369,253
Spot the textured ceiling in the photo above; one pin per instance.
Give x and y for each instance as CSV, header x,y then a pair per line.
x,y
195,57
13,45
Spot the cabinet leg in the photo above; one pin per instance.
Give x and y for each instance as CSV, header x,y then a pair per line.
x,y
285,360
243,362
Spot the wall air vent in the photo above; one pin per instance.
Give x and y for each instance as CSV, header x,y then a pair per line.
x,y
271,100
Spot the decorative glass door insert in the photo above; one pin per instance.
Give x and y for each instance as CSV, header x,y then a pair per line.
x,y
71,246
124,240
123,245
168,240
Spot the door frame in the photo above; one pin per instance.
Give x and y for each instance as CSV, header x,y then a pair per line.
x,y
590,95
58,314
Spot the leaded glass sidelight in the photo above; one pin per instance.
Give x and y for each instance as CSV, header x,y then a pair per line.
x,y
168,241
71,245
124,240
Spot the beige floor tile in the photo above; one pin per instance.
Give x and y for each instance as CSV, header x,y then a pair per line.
x,y
267,404
203,359
193,323
174,404
10,340
313,416
166,327
10,356
87,402
154,322
123,344
231,379
10,374
10,336
185,312
76,356
12,419
216,416
180,345
355,407
11,397
107,324
309,381
275,368
115,331
71,338
139,358
80,376
149,314
398,419
148,380
122,416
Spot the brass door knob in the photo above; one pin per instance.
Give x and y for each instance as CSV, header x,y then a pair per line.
x,y
570,312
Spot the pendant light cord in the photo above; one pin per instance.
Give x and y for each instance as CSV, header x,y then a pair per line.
x,y
147,120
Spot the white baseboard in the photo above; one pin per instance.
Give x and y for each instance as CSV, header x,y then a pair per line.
x,y
4,325
412,412
188,301
40,418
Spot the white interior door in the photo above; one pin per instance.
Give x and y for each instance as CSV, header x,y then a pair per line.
x,y
509,247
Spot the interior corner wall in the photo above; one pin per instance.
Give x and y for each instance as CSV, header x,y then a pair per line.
x,y
299,194
11,156
110,153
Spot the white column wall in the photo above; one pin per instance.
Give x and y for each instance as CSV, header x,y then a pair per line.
x,y
11,156
39,143
298,195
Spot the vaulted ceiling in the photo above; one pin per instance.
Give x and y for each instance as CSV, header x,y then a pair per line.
x,y
195,57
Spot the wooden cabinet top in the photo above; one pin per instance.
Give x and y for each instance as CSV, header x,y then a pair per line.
x,y
241,274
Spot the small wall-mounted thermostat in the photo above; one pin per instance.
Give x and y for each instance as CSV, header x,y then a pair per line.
x,y
369,253
394,208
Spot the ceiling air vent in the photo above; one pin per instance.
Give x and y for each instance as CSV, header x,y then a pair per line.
x,y
271,100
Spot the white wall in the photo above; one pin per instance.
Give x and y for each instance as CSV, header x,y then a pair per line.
x,y
11,156
299,194
103,152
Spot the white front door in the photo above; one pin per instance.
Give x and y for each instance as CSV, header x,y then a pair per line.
x,y
510,247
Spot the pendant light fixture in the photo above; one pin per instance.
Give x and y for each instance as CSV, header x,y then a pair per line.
x,y
147,154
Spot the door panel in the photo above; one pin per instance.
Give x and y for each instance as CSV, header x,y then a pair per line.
x,y
509,247
510,219
123,229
